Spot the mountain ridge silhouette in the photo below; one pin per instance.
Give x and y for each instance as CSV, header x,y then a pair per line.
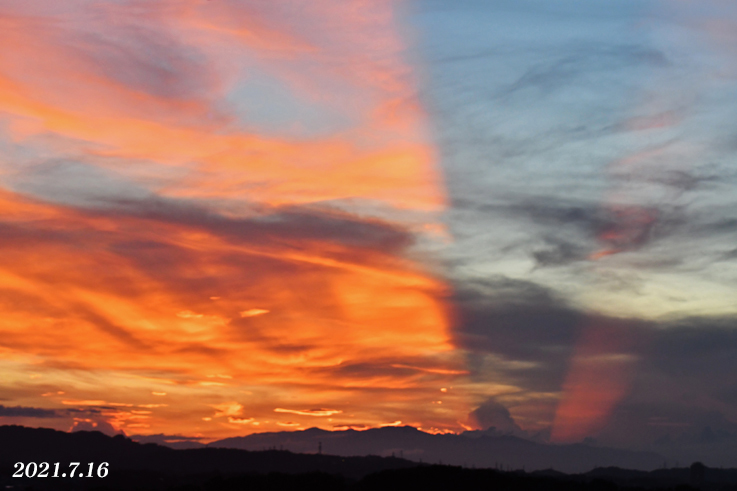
x,y
23,444
138,466
479,449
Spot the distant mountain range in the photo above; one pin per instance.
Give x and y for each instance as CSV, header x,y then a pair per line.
x,y
21,444
134,465
469,449
137,466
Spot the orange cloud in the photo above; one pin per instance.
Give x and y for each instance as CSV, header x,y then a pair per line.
x,y
228,409
253,312
309,412
150,223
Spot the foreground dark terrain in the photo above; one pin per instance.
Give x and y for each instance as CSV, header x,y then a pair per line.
x,y
135,466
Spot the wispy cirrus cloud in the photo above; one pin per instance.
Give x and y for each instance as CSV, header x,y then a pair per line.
x,y
168,166
588,156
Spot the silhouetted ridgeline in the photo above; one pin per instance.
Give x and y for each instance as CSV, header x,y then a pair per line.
x,y
135,466
20,444
472,448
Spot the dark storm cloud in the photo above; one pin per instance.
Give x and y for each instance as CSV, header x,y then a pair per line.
x,y
680,430
493,414
683,394
682,399
27,412
700,353
517,320
522,320
531,331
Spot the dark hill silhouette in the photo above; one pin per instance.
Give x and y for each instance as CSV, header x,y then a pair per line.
x,y
507,452
135,466
21,444
666,478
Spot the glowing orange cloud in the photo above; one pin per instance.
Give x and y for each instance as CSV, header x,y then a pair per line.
x,y
309,412
202,241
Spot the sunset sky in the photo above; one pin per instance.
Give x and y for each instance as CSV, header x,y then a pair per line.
x,y
234,216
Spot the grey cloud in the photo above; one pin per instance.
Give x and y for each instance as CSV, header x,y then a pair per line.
x,y
90,190
27,412
726,225
173,441
560,231
531,129
473,132
553,211
558,253
730,255
529,331
493,414
700,353
683,392
682,401
166,70
395,368
142,56
679,430
73,183
276,225
589,219
390,368
160,437
90,410
540,137
517,320
585,61
681,180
